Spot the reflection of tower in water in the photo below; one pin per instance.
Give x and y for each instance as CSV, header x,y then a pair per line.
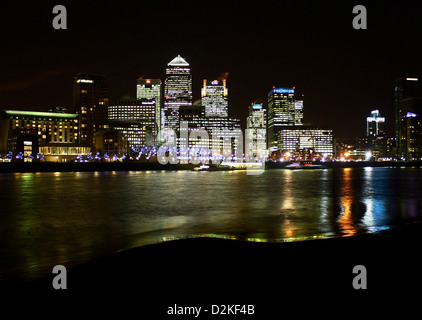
x,y
287,205
347,198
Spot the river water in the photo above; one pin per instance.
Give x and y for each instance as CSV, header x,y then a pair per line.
x,y
68,218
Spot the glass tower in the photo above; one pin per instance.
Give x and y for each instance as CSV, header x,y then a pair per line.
x,y
375,124
151,89
136,120
90,101
407,100
283,110
177,91
256,125
214,98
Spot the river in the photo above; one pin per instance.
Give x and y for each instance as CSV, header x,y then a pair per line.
x,y
73,217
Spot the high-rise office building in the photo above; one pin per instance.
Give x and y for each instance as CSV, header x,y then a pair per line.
x,y
284,109
306,141
177,91
407,101
257,117
256,130
151,89
411,136
90,101
220,129
224,126
375,125
214,98
136,120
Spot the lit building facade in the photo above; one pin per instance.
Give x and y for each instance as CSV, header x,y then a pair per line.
x,y
375,124
23,143
51,127
407,100
222,134
214,98
177,91
211,115
151,89
411,136
111,142
306,142
57,133
136,120
90,101
284,109
256,128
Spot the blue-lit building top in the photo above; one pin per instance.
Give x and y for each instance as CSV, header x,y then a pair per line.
x,y
284,109
281,90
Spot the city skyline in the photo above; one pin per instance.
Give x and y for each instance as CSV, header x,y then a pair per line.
x,y
209,153
344,73
196,97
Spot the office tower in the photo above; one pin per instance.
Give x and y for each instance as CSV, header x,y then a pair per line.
x,y
151,89
306,142
211,115
284,109
411,136
257,117
214,98
177,91
256,129
90,101
222,130
407,100
136,120
375,125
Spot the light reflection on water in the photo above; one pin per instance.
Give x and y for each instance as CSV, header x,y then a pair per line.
x,y
67,218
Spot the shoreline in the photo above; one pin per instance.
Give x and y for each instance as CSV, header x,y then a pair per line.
x,y
14,167
194,269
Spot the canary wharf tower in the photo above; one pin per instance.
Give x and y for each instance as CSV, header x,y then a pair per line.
x,y
177,91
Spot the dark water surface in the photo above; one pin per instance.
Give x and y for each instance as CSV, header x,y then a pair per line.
x,y
67,218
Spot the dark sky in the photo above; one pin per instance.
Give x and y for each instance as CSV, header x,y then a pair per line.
x,y
343,73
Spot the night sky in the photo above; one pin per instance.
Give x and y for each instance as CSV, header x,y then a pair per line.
x,y
343,73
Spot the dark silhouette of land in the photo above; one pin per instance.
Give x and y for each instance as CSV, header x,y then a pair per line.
x,y
277,278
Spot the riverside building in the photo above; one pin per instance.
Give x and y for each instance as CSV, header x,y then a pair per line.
x,y
56,133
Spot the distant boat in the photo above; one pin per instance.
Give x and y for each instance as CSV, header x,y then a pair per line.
x,y
304,165
213,167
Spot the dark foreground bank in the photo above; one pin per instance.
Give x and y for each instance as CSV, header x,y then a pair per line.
x,y
308,278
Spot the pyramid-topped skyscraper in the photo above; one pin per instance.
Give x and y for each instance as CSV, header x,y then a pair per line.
x,y
177,91
178,62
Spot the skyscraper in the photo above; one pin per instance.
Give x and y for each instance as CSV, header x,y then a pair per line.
x,y
408,108
411,136
284,109
90,101
151,89
211,115
375,124
177,91
136,120
256,127
257,116
214,98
